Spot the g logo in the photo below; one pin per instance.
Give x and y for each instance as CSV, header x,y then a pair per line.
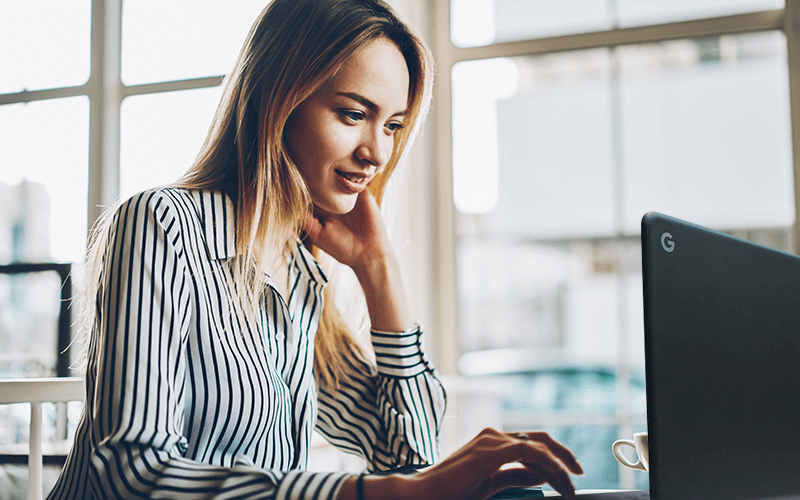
x,y
667,243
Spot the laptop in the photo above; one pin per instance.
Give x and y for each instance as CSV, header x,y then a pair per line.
x,y
722,355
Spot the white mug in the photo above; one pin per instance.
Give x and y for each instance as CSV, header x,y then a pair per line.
x,y
639,443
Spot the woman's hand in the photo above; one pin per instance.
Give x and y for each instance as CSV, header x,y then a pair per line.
x,y
358,239
491,462
353,238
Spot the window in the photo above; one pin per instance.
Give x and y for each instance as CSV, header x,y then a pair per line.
x,y
568,122
44,158
72,140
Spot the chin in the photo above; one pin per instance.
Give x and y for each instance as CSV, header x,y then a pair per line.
x,y
339,207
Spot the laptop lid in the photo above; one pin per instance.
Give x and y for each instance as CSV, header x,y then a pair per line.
x,y
722,353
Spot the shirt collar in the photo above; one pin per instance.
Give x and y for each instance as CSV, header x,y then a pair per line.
x,y
218,220
307,264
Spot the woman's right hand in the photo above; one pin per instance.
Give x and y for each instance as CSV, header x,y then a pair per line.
x,y
491,462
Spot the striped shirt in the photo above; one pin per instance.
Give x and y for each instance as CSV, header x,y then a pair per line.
x,y
189,397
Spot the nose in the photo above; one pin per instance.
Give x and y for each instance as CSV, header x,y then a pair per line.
x,y
376,147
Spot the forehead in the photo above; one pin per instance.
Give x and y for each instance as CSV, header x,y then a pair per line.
x,y
377,71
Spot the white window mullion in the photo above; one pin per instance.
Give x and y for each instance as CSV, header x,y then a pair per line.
x,y
447,300
792,29
699,28
105,94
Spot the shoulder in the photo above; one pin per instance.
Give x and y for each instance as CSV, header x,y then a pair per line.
x,y
198,219
150,200
168,205
161,210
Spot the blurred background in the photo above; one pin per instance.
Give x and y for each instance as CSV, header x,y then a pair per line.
x,y
555,126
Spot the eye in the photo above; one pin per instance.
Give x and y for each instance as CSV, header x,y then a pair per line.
x,y
393,127
352,116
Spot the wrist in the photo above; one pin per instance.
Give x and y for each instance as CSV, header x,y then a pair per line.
x,y
391,487
374,273
387,303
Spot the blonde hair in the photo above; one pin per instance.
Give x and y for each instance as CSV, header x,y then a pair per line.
x,y
292,50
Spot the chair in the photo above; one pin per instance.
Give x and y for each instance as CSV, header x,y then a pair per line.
x,y
35,392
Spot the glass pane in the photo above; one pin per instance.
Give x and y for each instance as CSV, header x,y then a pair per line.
x,y
553,155
706,132
161,135
29,308
43,182
45,44
483,22
184,38
515,126
555,160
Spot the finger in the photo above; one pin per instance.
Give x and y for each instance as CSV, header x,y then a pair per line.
x,y
554,474
559,450
517,477
540,458
524,476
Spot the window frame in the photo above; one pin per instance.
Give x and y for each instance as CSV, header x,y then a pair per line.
x,y
105,92
447,55
444,241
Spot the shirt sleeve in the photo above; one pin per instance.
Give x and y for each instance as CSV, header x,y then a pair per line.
x,y
389,413
136,371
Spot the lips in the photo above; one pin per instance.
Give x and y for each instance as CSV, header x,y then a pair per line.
x,y
354,182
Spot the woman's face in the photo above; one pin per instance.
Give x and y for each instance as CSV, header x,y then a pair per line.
x,y
343,135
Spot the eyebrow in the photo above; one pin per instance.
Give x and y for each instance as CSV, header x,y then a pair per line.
x,y
367,103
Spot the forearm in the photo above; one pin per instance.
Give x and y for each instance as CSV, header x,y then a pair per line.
x,y
390,412
387,302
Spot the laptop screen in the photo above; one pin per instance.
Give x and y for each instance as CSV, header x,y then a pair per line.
x,y
722,351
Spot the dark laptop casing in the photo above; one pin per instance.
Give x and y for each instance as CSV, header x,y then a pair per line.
x,y
722,352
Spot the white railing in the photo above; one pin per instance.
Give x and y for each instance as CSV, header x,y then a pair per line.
x,y
35,392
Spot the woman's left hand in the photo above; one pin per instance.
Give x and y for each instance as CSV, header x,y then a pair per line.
x,y
358,239
353,238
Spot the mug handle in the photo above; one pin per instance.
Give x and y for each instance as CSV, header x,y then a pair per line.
x,y
615,448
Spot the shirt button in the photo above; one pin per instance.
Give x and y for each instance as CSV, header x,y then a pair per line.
x,y
279,337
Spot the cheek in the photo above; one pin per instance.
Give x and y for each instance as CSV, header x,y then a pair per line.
x,y
336,143
319,145
389,145
309,151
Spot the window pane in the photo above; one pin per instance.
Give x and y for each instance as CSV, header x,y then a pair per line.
x,y
45,44
555,160
161,135
482,22
184,38
43,182
556,157
706,131
29,308
515,127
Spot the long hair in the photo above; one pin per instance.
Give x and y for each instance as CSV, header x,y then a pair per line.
x,y
293,48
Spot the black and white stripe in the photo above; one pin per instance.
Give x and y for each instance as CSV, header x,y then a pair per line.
x,y
188,397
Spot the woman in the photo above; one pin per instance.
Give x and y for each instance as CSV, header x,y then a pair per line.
x,y
210,309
